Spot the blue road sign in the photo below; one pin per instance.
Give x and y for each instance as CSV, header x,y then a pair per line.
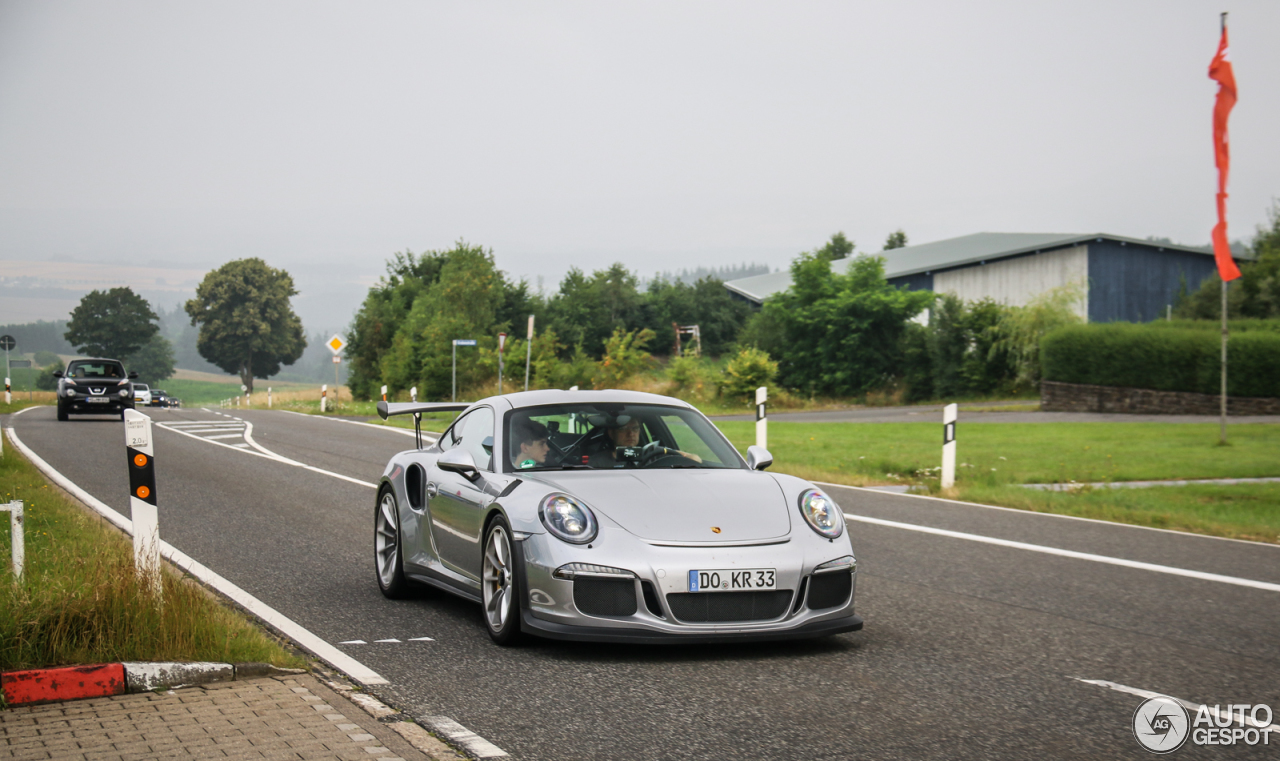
x,y
464,342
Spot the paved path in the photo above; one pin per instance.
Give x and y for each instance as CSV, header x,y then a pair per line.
x,y
272,718
933,414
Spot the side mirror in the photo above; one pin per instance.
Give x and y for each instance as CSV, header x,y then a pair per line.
x,y
133,376
58,374
461,462
758,458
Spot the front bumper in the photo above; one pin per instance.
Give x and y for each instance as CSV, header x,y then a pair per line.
x,y
549,607
79,406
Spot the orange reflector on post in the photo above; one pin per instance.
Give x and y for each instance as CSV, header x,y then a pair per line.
x,y
143,492
140,460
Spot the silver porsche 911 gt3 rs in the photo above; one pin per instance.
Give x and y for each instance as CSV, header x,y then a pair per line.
x,y
611,516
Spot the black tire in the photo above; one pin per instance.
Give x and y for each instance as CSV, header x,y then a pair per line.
x,y
500,585
388,561
62,412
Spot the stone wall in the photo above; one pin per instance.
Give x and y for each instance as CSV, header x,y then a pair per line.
x,y
1076,397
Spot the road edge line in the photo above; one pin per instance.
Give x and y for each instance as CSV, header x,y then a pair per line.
x,y
1137,564
260,610
396,429
1051,515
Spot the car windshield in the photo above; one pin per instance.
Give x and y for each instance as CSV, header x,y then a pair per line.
x,y
614,437
95,370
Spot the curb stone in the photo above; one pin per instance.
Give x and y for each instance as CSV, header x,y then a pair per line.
x,y
33,686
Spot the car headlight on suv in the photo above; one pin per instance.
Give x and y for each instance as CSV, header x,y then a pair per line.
x,y
821,513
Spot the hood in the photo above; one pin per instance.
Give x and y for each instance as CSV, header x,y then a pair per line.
x,y
682,505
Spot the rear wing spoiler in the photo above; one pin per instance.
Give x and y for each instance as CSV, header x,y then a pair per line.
x,y
387,409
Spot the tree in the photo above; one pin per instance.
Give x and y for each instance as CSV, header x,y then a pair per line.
x,y
153,362
112,324
587,310
247,326
839,247
896,239
1256,293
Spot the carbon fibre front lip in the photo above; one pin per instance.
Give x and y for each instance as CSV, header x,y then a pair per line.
x,y
551,630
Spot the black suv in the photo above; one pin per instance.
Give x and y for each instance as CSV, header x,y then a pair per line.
x,y
94,387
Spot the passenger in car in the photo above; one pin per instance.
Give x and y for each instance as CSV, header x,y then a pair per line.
x,y
529,444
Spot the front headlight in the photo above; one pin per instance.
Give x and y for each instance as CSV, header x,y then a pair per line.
x,y
821,513
568,519
124,393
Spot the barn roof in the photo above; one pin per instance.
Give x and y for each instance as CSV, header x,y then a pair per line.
x,y
951,253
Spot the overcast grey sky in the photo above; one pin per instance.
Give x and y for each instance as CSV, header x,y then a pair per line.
x,y
663,135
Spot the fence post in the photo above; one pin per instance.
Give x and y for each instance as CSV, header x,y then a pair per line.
x,y
762,420
17,543
949,446
324,397
142,496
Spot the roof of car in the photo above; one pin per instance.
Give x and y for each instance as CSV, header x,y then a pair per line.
x,y
557,396
95,359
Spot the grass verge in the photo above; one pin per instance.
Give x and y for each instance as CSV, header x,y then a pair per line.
x,y
1242,511
79,600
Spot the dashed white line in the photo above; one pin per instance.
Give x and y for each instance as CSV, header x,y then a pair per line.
x,y
225,436
1265,585
388,640
1216,711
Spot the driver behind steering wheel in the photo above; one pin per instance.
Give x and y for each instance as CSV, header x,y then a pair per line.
x,y
624,432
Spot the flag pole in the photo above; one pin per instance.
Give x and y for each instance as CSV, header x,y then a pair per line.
x,y
1222,424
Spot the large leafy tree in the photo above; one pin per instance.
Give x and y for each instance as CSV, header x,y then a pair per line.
x,y
113,323
247,326
587,310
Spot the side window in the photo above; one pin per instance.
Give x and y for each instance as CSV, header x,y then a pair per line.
x,y
477,437
452,436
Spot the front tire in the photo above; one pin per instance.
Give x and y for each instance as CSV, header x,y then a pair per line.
x,y
499,585
62,413
387,559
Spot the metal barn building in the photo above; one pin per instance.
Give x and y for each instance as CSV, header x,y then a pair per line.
x,y
1123,278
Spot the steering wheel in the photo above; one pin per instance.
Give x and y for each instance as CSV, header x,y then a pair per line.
x,y
653,453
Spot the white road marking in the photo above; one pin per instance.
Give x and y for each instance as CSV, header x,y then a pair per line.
x,y
1187,704
426,437
265,454
354,642
1265,585
388,640
273,618
421,639
475,744
225,436
1113,524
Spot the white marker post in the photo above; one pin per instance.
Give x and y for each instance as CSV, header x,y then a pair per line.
x,y
142,497
528,354
8,398
17,542
949,446
384,393
324,397
413,394
502,343
762,420
268,397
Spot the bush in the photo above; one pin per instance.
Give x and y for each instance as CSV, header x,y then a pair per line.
x,y
46,358
751,369
1164,359
45,380
624,356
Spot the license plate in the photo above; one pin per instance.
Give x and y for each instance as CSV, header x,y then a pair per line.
x,y
734,579
97,400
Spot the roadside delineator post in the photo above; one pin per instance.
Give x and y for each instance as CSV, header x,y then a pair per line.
x,y
762,420
142,496
268,397
413,394
17,542
384,393
324,394
502,343
949,446
8,398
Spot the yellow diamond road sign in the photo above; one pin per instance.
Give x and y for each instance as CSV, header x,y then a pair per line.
x,y
336,343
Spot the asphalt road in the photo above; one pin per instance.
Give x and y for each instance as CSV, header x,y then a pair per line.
x,y
970,650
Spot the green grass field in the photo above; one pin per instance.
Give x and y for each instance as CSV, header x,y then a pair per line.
x,y
81,602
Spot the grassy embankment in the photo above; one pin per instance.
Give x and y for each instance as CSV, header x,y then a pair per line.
x,y
994,458
80,602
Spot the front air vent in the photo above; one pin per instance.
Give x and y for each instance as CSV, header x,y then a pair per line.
x,y
605,597
651,599
804,585
708,607
828,590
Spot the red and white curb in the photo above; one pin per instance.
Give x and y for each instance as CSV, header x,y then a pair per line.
x,y
107,679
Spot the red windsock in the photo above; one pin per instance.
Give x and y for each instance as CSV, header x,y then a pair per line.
x,y
1220,71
